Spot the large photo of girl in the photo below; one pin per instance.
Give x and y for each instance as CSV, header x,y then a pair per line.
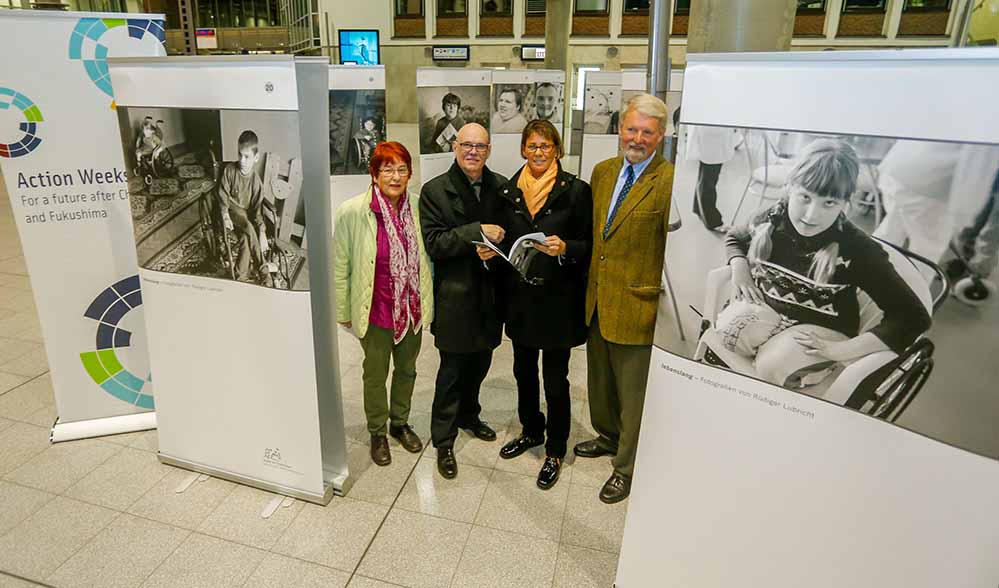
x,y
854,269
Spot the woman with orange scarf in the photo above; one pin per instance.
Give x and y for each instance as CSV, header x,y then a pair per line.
x,y
544,309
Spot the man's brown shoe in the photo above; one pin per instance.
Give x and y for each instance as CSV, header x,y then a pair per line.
x,y
380,453
591,448
405,435
615,489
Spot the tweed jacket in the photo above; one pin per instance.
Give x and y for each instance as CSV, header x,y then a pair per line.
x,y
355,245
625,276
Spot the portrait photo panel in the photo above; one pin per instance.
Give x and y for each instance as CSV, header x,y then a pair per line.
x,y
217,193
549,101
443,110
357,126
512,104
601,109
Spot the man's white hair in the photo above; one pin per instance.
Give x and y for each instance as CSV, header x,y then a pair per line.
x,y
647,105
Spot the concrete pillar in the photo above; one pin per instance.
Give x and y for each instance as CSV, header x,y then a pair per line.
x,y
558,21
740,25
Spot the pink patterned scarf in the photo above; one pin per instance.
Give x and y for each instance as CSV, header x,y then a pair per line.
x,y
404,264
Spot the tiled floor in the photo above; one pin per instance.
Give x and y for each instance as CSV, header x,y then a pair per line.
x,y
105,512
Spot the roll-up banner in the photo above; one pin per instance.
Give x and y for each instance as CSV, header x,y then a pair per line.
x,y
832,421
69,196
238,292
447,100
357,126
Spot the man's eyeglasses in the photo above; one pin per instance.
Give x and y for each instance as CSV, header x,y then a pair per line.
x,y
480,147
545,148
388,172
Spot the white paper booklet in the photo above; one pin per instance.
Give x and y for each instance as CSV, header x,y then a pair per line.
x,y
521,253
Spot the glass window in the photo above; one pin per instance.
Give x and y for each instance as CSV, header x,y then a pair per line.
x,y
864,5
224,13
206,16
497,7
274,14
811,6
409,7
535,7
681,7
591,6
258,16
926,5
238,19
451,8
633,6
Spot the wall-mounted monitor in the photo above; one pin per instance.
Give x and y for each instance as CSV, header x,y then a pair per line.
x,y
359,46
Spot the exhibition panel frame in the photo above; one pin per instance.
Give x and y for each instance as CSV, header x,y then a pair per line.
x,y
240,300
357,125
877,470
502,101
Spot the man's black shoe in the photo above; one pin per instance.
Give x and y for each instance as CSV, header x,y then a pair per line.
x,y
481,430
446,463
519,445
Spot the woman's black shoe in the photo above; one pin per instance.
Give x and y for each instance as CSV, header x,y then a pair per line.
x,y
519,445
549,472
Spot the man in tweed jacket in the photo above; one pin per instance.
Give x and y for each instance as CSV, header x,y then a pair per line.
x,y
631,204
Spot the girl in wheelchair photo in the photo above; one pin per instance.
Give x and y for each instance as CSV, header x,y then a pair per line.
x,y
803,278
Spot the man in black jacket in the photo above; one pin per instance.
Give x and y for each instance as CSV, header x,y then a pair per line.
x,y
467,325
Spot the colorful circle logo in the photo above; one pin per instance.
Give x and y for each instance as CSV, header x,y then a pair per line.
x,y
86,41
112,309
30,141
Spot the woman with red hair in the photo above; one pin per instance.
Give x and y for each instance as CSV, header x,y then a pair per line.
x,y
384,292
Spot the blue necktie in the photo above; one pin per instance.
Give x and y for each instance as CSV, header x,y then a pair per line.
x,y
629,181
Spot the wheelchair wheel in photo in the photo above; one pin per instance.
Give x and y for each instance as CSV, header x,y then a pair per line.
x,y
163,164
911,371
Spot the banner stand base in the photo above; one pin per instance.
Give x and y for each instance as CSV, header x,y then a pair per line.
x,y
331,488
128,423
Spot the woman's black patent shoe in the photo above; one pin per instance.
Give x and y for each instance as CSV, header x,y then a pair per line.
x,y
549,472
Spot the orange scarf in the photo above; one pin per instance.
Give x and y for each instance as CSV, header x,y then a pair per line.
x,y
536,190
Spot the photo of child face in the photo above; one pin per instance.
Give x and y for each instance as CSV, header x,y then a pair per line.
x,y
147,130
450,110
247,159
811,213
506,105
369,125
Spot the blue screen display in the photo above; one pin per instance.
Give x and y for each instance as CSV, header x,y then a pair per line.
x,y
360,47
